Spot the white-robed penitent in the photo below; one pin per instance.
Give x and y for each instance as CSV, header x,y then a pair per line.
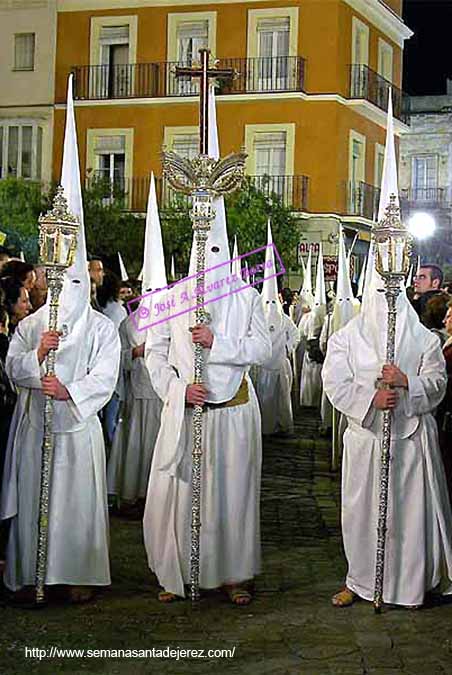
x,y
274,377
87,362
310,330
419,527
231,461
138,425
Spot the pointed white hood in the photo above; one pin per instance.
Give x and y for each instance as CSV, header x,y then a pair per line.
x,y
122,268
235,265
319,307
306,297
173,269
270,297
153,271
373,323
75,296
362,278
217,245
345,305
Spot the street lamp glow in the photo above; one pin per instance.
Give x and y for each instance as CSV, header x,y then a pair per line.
x,y
421,225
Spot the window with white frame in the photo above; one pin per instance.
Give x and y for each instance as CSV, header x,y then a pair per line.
x,y
357,171
273,52
191,37
186,145
115,75
360,58
20,150
24,51
424,177
270,152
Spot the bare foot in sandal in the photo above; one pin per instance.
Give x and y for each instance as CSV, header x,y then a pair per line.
x,y
167,597
238,595
344,598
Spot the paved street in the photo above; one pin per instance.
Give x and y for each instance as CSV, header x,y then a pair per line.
x,y
289,628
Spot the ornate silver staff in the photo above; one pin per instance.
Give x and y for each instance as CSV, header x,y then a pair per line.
x,y
57,244
204,179
392,261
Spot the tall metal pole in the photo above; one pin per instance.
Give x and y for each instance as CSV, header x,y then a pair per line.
x,y
57,243
392,247
392,292
204,179
55,285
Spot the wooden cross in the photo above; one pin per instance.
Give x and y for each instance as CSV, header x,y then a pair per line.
x,y
205,74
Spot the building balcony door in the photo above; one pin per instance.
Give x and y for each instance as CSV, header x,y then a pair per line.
x,y
270,160
191,37
111,174
114,76
273,53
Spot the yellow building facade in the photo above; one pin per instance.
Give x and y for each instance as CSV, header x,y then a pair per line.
x,y
308,103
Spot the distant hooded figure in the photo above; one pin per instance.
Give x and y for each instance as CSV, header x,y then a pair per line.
x,y
87,361
274,377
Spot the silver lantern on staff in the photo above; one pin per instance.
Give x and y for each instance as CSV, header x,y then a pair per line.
x,y
58,230
392,260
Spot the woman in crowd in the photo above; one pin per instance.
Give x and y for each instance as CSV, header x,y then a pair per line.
x,y
7,403
17,302
24,272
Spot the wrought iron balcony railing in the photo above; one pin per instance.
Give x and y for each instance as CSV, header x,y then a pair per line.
x,y
362,200
132,193
369,85
157,80
424,195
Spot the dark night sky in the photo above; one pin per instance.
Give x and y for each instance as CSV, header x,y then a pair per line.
x,y
428,54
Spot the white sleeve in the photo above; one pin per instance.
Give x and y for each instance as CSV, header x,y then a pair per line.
x,y
293,335
427,389
22,365
340,385
91,392
253,348
162,374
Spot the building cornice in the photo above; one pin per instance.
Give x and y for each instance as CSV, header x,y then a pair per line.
x,y
360,106
383,18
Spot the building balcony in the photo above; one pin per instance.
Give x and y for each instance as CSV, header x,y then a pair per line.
x,y
132,193
424,197
363,200
368,85
157,80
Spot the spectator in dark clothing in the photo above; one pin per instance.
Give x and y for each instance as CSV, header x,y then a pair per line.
x,y
16,300
24,272
427,283
7,403
444,412
434,313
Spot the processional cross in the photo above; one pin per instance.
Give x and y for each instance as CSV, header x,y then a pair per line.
x,y
204,178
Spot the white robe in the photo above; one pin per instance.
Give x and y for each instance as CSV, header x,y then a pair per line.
x,y
310,379
232,450
78,516
326,409
419,535
274,380
131,454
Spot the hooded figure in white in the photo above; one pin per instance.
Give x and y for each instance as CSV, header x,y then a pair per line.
x,y
138,425
236,338
87,362
274,377
345,307
302,309
310,330
419,526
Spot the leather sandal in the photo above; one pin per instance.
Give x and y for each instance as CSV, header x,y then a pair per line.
x,y
344,598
